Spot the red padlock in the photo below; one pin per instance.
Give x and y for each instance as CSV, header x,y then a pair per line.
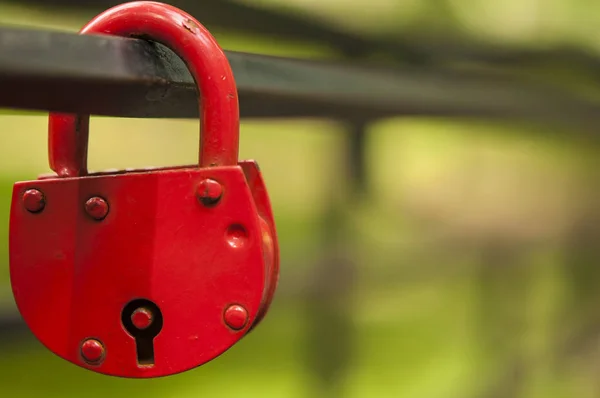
x,y
147,273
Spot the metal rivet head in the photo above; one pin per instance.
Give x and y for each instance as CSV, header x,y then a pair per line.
x,y
209,192
34,200
236,317
142,318
97,208
92,351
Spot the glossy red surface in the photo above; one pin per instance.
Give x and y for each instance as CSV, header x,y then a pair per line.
x,y
142,318
157,243
97,208
209,191
173,281
33,200
182,33
236,317
269,234
92,351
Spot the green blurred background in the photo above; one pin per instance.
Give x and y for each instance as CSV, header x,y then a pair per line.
x,y
467,269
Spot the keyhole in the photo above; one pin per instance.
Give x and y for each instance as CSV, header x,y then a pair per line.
x,y
143,321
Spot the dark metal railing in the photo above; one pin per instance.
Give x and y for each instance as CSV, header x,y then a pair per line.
x,y
102,75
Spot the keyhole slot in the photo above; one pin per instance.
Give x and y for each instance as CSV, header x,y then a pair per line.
x,y
143,320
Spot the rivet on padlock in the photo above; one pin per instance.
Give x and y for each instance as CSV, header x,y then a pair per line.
x,y
142,318
209,192
178,263
34,200
92,351
97,208
236,317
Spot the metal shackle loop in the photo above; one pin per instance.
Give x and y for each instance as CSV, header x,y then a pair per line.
x,y
206,61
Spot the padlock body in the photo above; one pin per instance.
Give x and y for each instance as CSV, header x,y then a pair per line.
x,y
261,199
72,275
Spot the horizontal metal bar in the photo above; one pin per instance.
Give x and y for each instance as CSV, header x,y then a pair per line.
x,y
58,71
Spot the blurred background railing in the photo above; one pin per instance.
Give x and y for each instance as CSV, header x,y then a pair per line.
x,y
421,256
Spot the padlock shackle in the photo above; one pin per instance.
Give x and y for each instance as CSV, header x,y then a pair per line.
x,y
206,61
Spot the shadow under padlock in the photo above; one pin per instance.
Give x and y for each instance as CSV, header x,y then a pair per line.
x,y
148,272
